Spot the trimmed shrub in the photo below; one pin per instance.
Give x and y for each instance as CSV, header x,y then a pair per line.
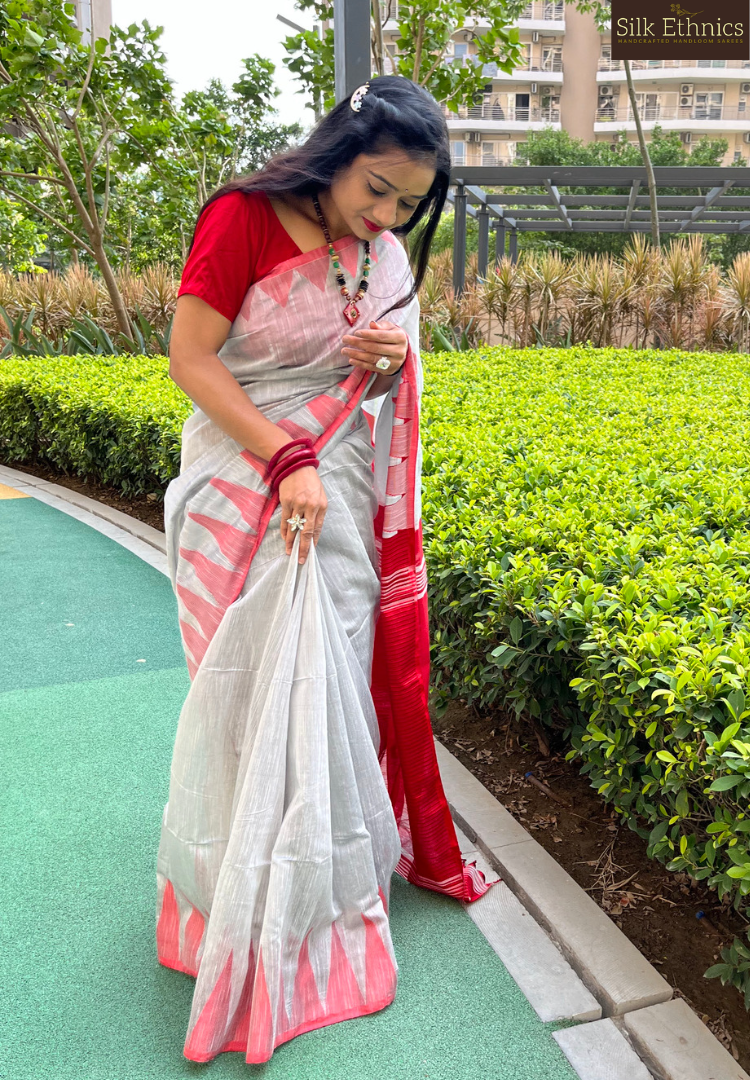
x,y
118,419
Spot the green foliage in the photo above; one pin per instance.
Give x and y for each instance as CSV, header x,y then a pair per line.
x,y
587,539
117,419
425,31
21,240
83,336
105,158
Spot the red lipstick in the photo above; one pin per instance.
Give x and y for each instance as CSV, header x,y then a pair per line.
x,y
371,226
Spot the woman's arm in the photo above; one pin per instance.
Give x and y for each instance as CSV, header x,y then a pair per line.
x,y
198,332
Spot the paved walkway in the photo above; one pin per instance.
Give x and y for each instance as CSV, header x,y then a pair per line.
x,y
92,679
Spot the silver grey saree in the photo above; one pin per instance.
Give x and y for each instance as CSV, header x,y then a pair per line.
x,y
304,770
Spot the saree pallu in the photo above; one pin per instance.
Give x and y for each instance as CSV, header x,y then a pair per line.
x,y
304,770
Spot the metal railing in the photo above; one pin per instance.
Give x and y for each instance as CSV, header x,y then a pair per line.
x,y
605,64
516,113
672,112
546,12
538,67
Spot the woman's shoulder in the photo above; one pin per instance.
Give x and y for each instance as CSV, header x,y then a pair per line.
x,y
251,204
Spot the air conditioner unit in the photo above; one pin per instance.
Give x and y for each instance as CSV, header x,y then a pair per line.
x,y
686,136
534,88
606,91
746,137
745,88
686,88
473,136
686,102
535,35
546,89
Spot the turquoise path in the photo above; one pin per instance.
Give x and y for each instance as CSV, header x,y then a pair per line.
x,y
92,679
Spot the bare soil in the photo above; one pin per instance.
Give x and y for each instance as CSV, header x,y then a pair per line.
x,y
655,908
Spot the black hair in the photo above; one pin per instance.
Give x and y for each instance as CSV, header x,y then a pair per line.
x,y
395,113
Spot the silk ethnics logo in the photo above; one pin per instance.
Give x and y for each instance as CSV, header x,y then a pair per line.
x,y
644,30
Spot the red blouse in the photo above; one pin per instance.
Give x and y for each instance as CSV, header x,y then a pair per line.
x,y
238,240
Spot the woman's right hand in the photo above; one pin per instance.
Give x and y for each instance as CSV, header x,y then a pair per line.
x,y
302,493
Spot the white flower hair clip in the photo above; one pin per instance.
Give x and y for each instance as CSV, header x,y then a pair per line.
x,y
359,93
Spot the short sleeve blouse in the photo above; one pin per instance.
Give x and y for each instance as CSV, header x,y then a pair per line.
x,y
238,240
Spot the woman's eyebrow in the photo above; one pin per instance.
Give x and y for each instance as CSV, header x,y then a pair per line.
x,y
393,186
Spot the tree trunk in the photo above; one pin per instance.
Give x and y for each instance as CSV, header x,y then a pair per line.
x,y
646,158
378,62
121,313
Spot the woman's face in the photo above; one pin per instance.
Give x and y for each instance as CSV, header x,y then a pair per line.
x,y
380,191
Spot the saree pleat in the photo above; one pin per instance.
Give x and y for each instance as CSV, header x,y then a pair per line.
x,y
304,770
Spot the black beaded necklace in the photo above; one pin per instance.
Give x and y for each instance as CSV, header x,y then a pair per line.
x,y
351,311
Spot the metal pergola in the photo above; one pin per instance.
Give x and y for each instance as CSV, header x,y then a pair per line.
x,y
719,210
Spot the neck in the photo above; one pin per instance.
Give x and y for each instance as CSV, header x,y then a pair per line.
x,y
337,227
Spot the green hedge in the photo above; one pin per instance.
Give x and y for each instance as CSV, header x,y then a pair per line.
x,y
587,540
116,418
587,536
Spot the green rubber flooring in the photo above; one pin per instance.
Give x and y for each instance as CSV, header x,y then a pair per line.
x,y
92,679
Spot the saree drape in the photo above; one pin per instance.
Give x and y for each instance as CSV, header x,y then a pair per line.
x,y
304,770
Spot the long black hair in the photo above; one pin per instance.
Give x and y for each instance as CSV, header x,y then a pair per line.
x,y
395,113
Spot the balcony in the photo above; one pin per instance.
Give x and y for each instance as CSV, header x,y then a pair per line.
x,y
544,16
695,70
548,70
708,118
489,119
549,17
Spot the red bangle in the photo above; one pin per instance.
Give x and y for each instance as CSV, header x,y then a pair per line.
x,y
300,454
273,461
299,457
292,468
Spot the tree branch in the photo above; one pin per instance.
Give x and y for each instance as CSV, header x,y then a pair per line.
x,y
105,204
87,80
33,176
418,47
93,213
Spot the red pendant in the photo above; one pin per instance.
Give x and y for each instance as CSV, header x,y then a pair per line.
x,y
351,312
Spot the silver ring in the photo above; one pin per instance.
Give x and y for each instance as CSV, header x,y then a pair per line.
x,y
383,363
296,522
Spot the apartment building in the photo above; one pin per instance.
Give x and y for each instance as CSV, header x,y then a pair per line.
x,y
93,13
568,80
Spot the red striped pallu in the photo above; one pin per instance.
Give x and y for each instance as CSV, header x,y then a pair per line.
x,y
304,770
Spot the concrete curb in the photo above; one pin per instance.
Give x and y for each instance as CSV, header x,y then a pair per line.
x,y
670,1039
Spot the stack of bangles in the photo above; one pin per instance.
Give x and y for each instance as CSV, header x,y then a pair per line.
x,y
279,465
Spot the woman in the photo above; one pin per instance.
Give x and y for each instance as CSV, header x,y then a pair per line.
x,y
304,770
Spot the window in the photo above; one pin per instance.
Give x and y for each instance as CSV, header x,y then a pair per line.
x,y
708,106
552,58
649,106
460,51
522,107
458,152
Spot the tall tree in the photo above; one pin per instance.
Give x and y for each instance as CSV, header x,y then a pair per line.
x,y
74,108
213,135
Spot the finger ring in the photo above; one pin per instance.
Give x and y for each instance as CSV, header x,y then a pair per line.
x,y
383,363
296,522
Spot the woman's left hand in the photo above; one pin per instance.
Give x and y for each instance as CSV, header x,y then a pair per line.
x,y
365,347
